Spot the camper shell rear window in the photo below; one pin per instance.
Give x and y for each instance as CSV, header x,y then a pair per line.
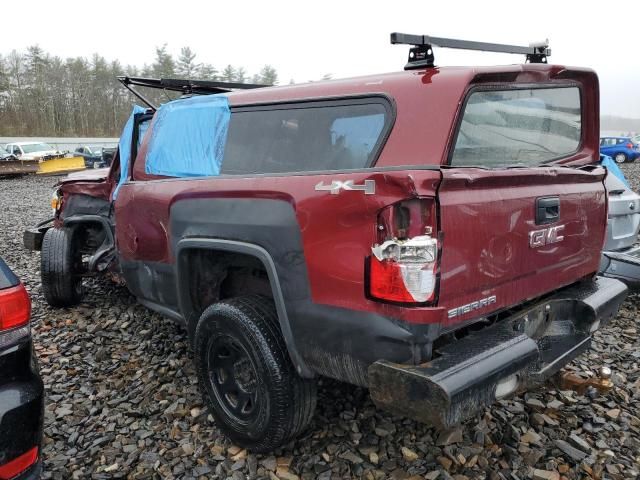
x,y
518,127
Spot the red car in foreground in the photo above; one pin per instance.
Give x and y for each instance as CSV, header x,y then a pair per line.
x,y
433,234
21,389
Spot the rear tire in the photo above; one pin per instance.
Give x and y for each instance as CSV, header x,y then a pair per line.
x,y
246,377
620,158
61,285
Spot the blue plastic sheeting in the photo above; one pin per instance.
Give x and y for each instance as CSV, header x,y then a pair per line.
x,y
142,130
607,162
124,148
188,137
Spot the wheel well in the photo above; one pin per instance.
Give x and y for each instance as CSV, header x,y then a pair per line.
x,y
88,236
215,275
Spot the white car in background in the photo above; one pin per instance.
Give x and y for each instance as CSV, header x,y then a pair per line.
x,y
31,150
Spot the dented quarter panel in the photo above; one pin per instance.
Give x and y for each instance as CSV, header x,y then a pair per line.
x,y
337,231
318,242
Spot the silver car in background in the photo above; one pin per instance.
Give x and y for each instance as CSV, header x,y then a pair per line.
x,y
621,253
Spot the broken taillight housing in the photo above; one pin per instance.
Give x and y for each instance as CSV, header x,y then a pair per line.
x,y
403,267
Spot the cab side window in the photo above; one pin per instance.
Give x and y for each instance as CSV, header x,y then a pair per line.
x,y
305,137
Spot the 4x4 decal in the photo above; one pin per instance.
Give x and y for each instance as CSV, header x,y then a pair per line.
x,y
369,187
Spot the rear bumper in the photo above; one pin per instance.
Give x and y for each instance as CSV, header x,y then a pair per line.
x,y
514,354
623,265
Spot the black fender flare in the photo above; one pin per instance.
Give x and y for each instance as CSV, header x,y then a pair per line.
x,y
186,307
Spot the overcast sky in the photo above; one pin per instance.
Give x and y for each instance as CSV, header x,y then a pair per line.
x,y
306,39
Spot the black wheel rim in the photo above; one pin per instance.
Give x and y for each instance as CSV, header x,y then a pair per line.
x,y
233,378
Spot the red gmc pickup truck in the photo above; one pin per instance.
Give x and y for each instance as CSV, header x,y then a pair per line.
x,y
433,234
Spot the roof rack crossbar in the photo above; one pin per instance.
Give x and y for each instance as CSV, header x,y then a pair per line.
x,y
421,53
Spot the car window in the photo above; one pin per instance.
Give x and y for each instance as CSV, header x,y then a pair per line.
x,y
36,147
304,138
518,127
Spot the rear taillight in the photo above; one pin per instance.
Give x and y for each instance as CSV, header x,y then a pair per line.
x,y
15,310
629,145
403,267
18,465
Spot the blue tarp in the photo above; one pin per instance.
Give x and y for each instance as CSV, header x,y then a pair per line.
x,y
188,137
124,148
142,130
607,162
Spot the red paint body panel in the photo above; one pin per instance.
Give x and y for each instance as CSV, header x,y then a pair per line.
x,y
337,230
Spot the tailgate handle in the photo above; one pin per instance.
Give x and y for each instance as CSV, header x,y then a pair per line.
x,y
547,210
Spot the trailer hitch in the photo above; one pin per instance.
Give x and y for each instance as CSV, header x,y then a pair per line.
x,y
570,381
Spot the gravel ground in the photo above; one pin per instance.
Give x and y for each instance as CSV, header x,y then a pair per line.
x,y
122,400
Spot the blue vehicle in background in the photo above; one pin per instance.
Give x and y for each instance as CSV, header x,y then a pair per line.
x,y
621,149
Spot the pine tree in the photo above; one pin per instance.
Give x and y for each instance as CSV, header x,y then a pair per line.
x,y
268,75
186,66
228,74
208,72
241,75
164,66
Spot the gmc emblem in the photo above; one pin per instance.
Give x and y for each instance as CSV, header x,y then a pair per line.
x,y
546,236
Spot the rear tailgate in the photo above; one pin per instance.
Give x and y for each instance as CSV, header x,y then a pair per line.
x,y
517,224
496,254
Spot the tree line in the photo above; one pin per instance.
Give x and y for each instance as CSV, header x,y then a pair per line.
x,y
44,95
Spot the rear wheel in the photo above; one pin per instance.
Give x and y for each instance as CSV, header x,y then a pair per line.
x,y
59,268
620,157
247,379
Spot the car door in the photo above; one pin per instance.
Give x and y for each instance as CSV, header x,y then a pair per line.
x,y
606,146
